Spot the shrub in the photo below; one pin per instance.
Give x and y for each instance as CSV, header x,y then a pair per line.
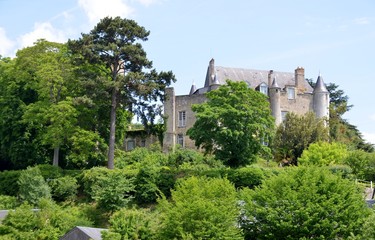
x,y
8,183
32,186
49,171
246,177
8,202
111,189
324,154
63,188
201,208
131,224
303,203
362,164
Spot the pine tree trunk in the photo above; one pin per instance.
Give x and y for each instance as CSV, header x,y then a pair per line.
x,y
56,151
112,131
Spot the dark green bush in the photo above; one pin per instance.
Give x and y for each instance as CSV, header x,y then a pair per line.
x,y
246,177
64,188
8,182
50,172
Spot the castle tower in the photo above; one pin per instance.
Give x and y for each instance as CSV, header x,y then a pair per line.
x,y
170,113
321,99
274,92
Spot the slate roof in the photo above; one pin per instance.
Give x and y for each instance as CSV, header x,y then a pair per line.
x,y
84,233
252,77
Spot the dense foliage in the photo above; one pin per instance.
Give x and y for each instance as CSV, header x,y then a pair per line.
x,y
295,134
233,124
303,203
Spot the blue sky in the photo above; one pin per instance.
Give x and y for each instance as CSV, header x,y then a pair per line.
x,y
335,38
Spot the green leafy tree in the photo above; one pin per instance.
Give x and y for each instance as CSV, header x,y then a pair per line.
x,y
114,46
295,134
233,124
324,154
303,203
200,208
52,115
32,186
18,146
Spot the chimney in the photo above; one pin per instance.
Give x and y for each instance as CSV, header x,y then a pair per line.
x,y
300,79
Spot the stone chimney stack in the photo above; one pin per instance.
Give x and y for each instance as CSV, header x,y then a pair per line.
x,y
300,79
270,78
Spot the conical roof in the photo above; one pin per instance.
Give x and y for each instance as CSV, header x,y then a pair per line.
x,y
274,83
320,86
193,89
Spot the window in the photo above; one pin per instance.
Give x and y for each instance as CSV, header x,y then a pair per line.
x,y
263,88
291,93
182,119
130,145
180,139
283,115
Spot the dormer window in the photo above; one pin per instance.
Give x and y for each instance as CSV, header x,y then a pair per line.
x,y
291,93
263,88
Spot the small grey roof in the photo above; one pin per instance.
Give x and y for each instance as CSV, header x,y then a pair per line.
x,y
320,86
80,232
193,89
256,77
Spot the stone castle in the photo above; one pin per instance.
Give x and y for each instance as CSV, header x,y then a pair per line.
x,y
286,91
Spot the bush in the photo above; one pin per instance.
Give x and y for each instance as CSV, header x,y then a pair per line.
x,y
8,202
362,164
64,188
131,224
111,189
303,203
201,208
50,172
32,186
8,183
246,177
324,154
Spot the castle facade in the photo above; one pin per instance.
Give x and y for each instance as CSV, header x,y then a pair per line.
x,y
286,91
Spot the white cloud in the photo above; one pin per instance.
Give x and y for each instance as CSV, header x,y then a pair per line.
x,y
42,30
148,2
369,137
372,117
98,9
362,21
6,45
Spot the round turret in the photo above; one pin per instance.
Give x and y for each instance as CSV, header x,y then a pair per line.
x,y
274,92
321,99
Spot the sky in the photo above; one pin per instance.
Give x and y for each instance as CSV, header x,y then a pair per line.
x,y
333,38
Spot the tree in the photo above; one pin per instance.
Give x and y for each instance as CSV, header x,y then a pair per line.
x,y
52,114
295,134
324,154
200,208
304,203
233,124
113,46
